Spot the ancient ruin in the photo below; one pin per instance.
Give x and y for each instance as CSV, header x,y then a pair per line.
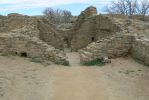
x,y
93,35
130,39
31,37
90,27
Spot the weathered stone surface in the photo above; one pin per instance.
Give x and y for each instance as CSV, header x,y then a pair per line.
x,y
117,46
30,47
112,47
50,35
33,27
88,12
90,27
31,37
140,50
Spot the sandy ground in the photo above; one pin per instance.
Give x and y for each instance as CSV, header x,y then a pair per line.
x,y
123,79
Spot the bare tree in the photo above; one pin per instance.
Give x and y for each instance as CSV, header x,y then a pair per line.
x,y
49,13
57,16
132,4
67,15
143,7
125,7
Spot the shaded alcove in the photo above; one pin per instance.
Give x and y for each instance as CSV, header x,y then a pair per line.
x,y
67,42
92,39
23,54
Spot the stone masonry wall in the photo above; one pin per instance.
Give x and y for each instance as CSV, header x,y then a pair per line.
x,y
140,50
30,47
117,46
31,26
50,35
90,27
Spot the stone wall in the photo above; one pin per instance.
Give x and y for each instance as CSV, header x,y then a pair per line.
x,y
140,50
91,29
31,26
30,47
88,12
115,46
50,35
14,22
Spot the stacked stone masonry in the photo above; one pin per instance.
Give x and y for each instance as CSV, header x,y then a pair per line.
x,y
32,37
90,27
140,50
117,46
31,48
31,26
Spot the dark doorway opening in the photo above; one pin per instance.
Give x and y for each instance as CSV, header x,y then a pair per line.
x,y
16,53
23,54
66,40
92,39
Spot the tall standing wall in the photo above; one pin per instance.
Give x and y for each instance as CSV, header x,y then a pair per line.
x,y
90,27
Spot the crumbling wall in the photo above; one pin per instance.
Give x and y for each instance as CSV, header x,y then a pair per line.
x,y
30,47
32,26
140,50
50,35
115,46
84,35
90,27
9,22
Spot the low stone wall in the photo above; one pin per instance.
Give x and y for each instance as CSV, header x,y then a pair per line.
x,y
140,50
112,47
117,46
30,47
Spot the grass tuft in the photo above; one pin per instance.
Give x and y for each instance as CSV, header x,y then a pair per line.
x,y
94,62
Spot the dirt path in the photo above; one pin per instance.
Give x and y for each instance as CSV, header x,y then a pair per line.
x,y
74,58
123,79
78,84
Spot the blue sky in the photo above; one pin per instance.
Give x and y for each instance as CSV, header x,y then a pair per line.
x,y
35,7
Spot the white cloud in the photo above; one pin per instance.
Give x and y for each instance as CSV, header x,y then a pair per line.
x,y
28,4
